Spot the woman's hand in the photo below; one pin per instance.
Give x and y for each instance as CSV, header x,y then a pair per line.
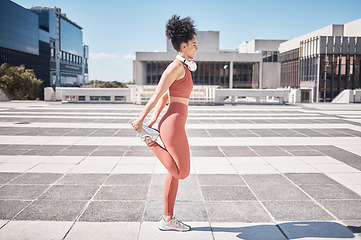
x,y
137,125
150,123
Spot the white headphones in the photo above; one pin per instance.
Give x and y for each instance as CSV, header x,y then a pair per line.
x,y
192,66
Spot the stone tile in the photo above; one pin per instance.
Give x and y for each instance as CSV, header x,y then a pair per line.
x,y
129,179
243,133
37,178
278,192
254,231
64,159
133,169
40,230
22,192
295,168
310,133
269,179
247,160
334,168
237,212
52,168
318,160
205,151
139,151
227,193
122,193
183,210
335,191
215,169
201,161
9,208
104,230
83,179
197,133
220,179
343,209
310,178
93,168
269,151
296,211
219,133
7,177
200,231
316,230
14,167
239,151
255,169
70,192
114,211
346,178
265,132
138,160
158,179
52,210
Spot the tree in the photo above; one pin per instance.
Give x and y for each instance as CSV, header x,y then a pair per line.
x,y
105,84
19,83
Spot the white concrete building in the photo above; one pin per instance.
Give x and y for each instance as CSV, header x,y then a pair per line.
x,y
324,62
256,67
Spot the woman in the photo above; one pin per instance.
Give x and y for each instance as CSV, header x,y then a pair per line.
x,y
175,85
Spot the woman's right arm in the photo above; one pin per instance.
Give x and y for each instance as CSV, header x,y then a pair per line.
x,y
172,73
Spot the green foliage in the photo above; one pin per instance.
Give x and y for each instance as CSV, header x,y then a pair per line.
x,y
105,84
19,83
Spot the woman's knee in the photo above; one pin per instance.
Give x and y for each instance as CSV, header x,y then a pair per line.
x,y
183,174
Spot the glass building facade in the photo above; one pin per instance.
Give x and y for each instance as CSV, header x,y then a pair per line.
x,y
29,37
18,28
245,75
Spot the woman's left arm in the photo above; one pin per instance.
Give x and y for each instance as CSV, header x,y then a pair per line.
x,y
158,109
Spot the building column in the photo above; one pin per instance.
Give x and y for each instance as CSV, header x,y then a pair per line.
x,y
231,75
318,78
260,75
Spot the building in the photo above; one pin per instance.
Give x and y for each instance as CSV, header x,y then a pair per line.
x,y
255,66
45,40
321,63
324,62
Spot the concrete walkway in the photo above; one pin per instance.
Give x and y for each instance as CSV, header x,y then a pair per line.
x,y
72,171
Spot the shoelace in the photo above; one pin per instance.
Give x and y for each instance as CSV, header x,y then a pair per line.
x,y
179,223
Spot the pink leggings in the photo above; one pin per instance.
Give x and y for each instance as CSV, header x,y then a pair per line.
x,y
175,155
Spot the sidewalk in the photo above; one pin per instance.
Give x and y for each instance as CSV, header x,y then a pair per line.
x,y
72,171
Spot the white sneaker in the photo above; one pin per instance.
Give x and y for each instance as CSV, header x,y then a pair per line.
x,y
148,132
173,225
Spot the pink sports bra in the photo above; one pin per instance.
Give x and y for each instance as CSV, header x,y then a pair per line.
x,y
182,87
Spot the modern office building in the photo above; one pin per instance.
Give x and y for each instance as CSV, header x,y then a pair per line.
x,y
251,67
45,40
324,62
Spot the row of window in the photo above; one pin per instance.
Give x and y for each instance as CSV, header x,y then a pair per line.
x,y
210,73
66,56
289,56
269,56
94,98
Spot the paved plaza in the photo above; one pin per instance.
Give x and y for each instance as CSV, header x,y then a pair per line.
x,y
258,172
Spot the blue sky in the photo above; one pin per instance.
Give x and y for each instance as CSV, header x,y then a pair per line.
x,y
116,29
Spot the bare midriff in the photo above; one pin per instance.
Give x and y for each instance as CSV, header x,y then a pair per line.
x,y
179,99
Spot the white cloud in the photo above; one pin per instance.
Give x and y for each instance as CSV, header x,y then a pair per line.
x,y
129,56
103,56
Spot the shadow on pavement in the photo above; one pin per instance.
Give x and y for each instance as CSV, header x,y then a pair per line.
x,y
291,230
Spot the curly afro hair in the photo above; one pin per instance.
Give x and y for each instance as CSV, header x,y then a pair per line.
x,y
180,30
